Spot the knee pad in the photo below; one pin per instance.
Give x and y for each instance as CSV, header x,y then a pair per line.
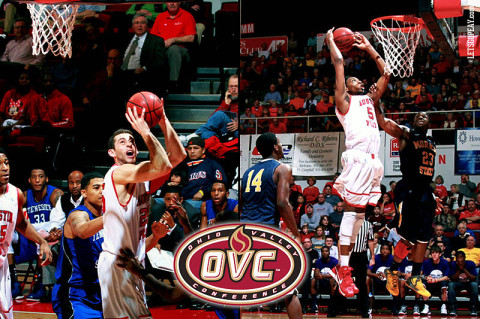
x,y
401,250
346,228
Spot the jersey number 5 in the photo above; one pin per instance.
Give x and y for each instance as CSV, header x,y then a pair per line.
x,y
257,181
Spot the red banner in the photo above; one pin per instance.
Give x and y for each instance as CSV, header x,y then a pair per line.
x,y
250,45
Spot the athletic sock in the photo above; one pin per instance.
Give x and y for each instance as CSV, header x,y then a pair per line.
x,y
416,269
394,266
344,260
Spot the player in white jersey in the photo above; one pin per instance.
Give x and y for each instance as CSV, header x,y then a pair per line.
x,y
126,207
359,182
11,218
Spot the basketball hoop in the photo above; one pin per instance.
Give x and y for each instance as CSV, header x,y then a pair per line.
x,y
399,36
52,27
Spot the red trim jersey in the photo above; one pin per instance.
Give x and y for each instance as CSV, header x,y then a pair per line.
x,y
360,125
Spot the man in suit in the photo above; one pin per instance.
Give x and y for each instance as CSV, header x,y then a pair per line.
x,y
145,57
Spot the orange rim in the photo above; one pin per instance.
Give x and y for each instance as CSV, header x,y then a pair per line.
x,y
401,18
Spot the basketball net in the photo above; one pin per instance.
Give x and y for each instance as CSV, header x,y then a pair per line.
x,y
399,36
52,28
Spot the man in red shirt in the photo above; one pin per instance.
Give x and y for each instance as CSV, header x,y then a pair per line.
x,y
277,127
324,106
472,215
56,108
177,27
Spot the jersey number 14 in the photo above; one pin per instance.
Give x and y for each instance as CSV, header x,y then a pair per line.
x,y
257,181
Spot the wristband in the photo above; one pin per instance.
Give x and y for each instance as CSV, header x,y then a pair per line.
x,y
201,192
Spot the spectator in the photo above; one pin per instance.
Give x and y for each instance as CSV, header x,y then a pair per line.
x,y
329,197
460,240
297,101
318,239
298,206
218,203
377,220
472,253
387,208
86,12
337,216
177,27
466,187
470,102
446,219
68,201
435,269
19,105
56,109
307,297
471,215
391,192
277,127
331,183
202,172
324,106
463,275
439,237
197,10
145,57
273,94
247,124
306,232
453,199
322,207
324,282
327,225
311,192
310,218
440,189
257,109
150,10
19,50
294,187
414,88
330,243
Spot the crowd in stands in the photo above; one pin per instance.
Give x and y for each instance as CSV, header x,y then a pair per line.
x,y
302,84
451,261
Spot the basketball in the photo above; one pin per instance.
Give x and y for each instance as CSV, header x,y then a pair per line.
x,y
151,103
344,39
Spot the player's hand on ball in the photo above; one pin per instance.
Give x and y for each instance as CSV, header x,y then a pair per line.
x,y
361,41
127,260
137,121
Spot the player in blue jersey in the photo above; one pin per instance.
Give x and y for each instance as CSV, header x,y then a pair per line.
x,y
41,199
218,204
264,197
77,291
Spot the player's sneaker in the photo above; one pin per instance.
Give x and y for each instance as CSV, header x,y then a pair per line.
x,y
443,310
403,310
392,282
38,292
343,277
416,310
416,284
426,310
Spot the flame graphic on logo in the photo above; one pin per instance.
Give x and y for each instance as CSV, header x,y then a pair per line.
x,y
239,242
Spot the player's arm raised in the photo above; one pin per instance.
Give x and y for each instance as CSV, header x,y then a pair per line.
x,y
176,151
158,165
342,100
282,176
388,125
27,230
362,43
82,226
